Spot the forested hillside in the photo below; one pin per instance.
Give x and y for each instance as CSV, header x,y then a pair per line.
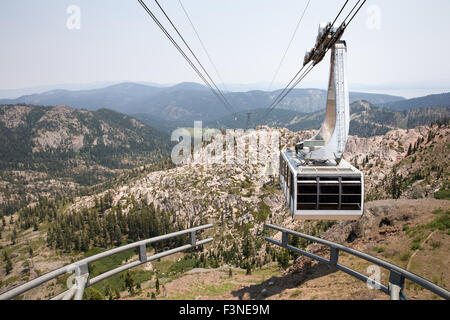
x,y
54,150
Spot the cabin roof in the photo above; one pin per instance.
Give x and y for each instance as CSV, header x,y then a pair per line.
x,y
300,166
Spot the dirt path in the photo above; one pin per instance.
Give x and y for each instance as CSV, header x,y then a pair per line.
x,y
417,250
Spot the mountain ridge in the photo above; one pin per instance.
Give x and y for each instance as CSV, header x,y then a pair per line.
x,y
188,101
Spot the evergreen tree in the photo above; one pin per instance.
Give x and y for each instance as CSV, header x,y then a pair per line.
x,y
129,283
157,286
409,149
117,293
14,236
8,266
248,268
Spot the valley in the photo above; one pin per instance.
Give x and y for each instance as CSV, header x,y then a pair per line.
x,y
400,165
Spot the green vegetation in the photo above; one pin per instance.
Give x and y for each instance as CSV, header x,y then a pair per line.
x,y
443,194
128,144
262,213
415,245
187,263
404,256
92,294
378,249
440,222
88,228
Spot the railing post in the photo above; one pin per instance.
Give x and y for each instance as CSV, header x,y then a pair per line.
x,y
143,253
284,238
81,280
193,238
334,256
396,284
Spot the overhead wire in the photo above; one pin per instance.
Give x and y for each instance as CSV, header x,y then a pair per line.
x,y
275,102
355,13
289,45
340,11
284,93
180,50
352,10
203,45
193,54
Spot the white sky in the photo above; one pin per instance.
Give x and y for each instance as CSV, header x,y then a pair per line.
x,y
246,39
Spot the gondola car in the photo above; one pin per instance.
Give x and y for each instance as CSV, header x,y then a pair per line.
x,y
316,181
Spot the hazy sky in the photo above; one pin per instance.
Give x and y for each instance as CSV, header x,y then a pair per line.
x,y
407,46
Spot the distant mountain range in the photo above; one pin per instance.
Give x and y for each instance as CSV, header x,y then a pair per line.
x,y
366,119
185,101
434,100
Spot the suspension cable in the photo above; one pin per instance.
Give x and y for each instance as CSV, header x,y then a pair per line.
x,y
193,54
339,12
352,10
355,13
287,91
203,46
180,50
289,45
284,93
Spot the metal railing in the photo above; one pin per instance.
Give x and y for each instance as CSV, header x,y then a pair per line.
x,y
397,275
81,269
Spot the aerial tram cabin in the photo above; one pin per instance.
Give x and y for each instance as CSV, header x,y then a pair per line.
x,y
321,191
316,181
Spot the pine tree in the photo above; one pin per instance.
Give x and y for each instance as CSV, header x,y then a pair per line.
x,y
14,236
157,286
117,234
8,266
108,292
117,293
248,269
129,283
409,150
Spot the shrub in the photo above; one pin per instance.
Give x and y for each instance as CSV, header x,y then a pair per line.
x,y
92,294
443,194
435,244
405,256
378,249
415,245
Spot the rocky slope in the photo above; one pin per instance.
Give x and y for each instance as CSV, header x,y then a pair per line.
x,y
45,149
238,199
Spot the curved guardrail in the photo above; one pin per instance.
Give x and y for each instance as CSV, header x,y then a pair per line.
x,y
81,270
397,275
